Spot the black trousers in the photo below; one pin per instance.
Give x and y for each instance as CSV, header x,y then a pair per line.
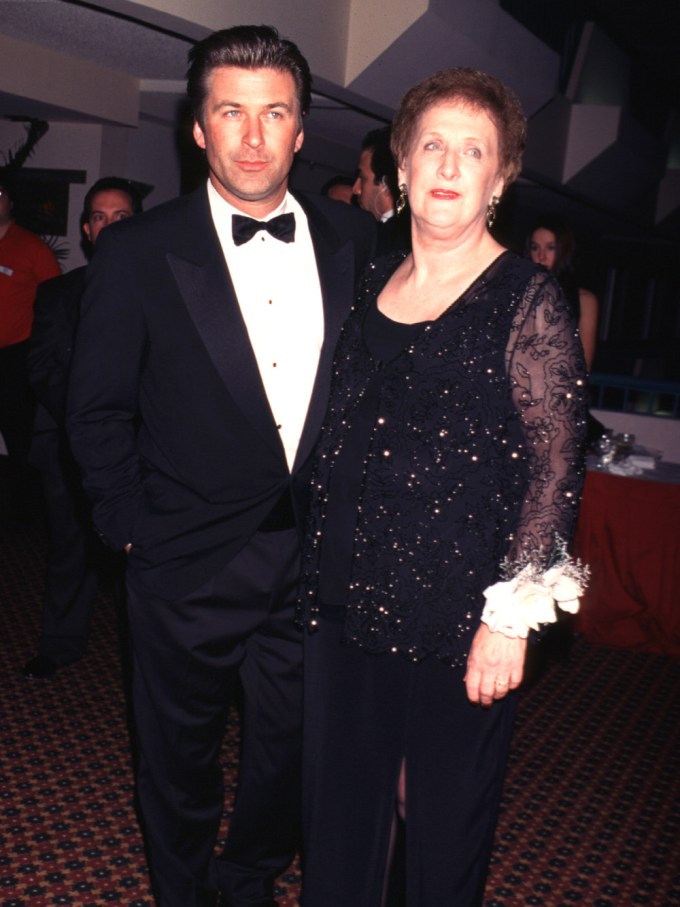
x,y
185,657
76,561
364,715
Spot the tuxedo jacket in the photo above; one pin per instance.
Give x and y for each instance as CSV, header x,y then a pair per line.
x,y
394,234
167,413
55,320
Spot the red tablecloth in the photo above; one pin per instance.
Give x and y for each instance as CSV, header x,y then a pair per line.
x,y
629,534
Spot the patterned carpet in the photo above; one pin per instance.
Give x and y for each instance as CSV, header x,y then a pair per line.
x,y
591,811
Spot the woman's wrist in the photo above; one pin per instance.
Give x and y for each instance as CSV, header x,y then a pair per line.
x,y
532,598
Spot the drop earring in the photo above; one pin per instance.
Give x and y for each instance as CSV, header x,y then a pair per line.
x,y
491,211
401,201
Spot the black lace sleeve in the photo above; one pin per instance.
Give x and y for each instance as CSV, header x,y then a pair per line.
x,y
548,379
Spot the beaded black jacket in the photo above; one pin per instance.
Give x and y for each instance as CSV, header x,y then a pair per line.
x,y
474,458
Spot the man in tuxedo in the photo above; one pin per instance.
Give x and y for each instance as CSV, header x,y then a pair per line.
x,y
376,189
77,560
198,388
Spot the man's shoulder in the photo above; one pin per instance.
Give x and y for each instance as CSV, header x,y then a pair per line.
x,y
395,234
59,297
345,220
18,234
31,252
175,209
334,211
21,237
68,282
163,220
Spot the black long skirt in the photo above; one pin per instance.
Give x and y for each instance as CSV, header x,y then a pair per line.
x,y
364,714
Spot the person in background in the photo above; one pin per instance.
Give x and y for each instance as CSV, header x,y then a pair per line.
x,y
445,491
551,243
376,190
340,188
376,183
25,261
77,561
198,386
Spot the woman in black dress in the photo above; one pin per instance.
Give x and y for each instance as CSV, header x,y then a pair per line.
x,y
446,488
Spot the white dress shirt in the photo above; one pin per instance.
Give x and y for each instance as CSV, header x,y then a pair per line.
x,y
278,291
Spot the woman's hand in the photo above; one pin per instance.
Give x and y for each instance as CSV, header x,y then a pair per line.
x,y
495,666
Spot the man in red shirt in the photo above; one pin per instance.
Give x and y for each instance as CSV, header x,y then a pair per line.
x,y
25,261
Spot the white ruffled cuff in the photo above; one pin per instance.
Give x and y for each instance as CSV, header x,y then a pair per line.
x,y
527,601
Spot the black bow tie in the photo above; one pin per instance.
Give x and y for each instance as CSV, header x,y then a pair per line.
x,y
244,228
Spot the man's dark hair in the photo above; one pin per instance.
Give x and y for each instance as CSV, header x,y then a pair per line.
x,y
338,180
247,47
118,184
383,164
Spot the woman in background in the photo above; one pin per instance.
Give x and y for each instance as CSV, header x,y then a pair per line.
x,y
551,243
446,487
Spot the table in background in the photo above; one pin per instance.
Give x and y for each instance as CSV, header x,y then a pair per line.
x,y
629,534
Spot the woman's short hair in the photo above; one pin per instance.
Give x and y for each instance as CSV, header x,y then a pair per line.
x,y
247,47
473,88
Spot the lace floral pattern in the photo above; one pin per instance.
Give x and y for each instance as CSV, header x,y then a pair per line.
x,y
474,462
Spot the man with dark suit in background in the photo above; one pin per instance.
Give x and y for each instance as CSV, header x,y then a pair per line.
x,y
198,387
76,559
376,189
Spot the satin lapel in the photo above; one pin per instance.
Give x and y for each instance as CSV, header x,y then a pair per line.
x,y
209,297
335,262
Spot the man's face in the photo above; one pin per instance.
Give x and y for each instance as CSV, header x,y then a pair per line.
x,y
250,130
107,207
372,197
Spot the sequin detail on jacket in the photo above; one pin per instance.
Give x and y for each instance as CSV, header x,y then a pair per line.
x,y
475,459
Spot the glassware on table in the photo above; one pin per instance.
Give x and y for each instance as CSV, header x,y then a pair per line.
x,y
605,448
624,445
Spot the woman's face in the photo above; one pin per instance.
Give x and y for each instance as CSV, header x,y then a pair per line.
x,y
543,248
452,169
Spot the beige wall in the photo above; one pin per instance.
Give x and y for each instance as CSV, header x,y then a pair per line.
x,y
52,78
